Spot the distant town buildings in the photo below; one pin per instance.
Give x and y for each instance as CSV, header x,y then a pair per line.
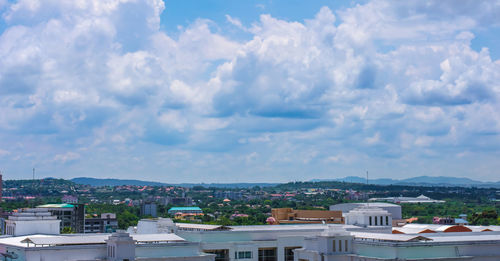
x,y
69,199
234,195
185,212
355,195
177,201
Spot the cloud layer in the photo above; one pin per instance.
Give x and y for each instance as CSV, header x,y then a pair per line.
x,y
97,88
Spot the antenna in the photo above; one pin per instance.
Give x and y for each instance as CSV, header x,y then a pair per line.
x,y
368,203
33,180
33,189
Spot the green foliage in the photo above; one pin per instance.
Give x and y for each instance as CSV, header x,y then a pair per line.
x,y
67,230
485,218
478,213
127,219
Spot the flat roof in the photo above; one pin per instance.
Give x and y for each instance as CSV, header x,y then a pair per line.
x,y
464,236
184,208
82,239
319,227
202,226
371,204
56,206
390,237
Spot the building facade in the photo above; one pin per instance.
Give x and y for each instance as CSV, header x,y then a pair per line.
x,y
394,209
103,247
106,223
149,209
32,220
71,215
339,245
291,216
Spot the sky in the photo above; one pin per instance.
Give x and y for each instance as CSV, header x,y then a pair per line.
x,y
249,91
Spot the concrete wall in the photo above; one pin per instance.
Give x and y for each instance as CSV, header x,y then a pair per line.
x,y
30,227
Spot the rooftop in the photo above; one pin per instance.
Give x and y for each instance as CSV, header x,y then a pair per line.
x,y
371,204
81,239
184,208
56,206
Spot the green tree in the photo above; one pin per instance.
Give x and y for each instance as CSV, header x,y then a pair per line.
x,y
67,230
127,219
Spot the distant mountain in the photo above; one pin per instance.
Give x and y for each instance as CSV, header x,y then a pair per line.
x,y
227,185
442,180
115,182
95,182
420,181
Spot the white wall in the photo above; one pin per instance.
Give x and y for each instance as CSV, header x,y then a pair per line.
x,y
30,227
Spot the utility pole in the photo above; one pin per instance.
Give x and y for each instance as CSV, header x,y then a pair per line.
x,y
33,188
368,202
33,183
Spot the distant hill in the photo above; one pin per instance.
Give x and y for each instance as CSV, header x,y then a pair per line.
x,y
95,182
420,181
115,182
227,185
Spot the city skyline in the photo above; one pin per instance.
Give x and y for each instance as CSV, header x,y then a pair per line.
x,y
254,91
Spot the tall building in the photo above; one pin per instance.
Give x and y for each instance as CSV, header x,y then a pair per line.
x,y
106,223
71,215
1,187
149,209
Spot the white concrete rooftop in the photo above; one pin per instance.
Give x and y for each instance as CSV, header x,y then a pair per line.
x,y
83,239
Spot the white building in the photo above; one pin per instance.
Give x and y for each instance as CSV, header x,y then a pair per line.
x,y
32,221
357,246
394,209
153,226
333,243
352,242
368,216
261,242
311,242
102,247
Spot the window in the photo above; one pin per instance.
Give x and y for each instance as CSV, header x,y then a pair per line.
x,y
346,248
220,254
334,246
376,223
370,220
386,220
267,254
111,251
243,255
289,253
340,245
381,221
